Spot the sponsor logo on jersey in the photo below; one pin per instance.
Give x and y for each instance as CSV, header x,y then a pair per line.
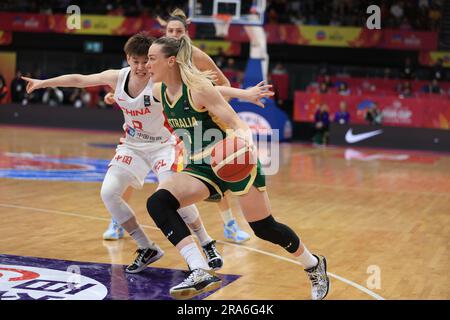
x,y
131,131
147,101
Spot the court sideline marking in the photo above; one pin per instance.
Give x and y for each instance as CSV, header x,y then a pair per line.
x,y
351,283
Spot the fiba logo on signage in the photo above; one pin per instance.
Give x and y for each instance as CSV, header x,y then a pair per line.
x,y
32,283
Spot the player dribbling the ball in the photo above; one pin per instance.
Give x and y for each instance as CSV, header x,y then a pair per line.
x,y
191,102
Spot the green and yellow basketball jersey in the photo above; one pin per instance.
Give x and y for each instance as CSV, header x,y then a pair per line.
x,y
183,114
198,126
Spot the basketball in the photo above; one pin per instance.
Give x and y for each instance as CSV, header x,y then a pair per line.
x,y
232,159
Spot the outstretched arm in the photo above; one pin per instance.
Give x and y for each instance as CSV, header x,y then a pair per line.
x,y
253,94
108,77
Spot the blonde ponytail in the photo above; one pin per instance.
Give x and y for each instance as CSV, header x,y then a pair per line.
x,y
190,75
182,50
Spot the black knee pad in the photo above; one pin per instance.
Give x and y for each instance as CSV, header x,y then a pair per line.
x,y
162,207
270,230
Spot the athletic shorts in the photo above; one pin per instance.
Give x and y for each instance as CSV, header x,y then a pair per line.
x,y
218,187
140,163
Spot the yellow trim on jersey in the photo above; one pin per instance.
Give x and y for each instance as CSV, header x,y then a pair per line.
x,y
249,184
207,180
192,102
171,105
213,117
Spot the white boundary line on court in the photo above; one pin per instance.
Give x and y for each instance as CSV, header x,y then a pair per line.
x,y
351,283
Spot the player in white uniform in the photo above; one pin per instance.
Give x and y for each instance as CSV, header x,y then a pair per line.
x,y
148,145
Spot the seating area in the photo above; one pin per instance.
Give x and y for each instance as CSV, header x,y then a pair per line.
x,y
378,86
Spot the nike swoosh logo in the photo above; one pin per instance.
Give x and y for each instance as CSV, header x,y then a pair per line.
x,y
353,138
120,99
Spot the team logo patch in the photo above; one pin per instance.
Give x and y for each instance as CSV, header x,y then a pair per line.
x,y
131,131
28,166
147,101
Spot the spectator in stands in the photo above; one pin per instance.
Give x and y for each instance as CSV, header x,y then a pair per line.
x,y
230,65
433,87
396,11
18,86
328,82
323,88
220,59
101,99
438,70
405,89
374,115
321,125
434,15
279,69
342,116
343,89
80,98
3,88
53,97
408,70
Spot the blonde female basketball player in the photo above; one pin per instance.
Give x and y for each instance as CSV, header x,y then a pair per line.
x,y
176,26
147,145
186,93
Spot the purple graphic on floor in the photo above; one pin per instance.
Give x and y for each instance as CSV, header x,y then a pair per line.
x,y
30,278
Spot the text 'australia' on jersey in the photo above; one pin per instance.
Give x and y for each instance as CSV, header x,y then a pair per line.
x,y
191,123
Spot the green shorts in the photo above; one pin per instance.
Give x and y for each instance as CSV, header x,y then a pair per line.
x,y
218,187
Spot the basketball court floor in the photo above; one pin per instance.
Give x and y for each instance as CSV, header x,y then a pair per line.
x,y
382,219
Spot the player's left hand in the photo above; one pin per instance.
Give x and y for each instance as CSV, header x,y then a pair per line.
x,y
258,92
109,98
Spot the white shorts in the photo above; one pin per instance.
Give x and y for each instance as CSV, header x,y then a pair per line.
x,y
139,163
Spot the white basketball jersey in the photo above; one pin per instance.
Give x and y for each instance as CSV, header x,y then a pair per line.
x,y
145,123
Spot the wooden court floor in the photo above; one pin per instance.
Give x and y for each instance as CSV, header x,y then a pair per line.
x,y
382,218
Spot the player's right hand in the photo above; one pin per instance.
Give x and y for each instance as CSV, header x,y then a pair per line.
x,y
33,84
109,98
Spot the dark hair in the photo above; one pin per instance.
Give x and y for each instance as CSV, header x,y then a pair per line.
x,y
138,44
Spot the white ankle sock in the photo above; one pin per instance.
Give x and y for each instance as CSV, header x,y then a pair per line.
x,y
307,259
202,235
227,216
193,257
141,238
